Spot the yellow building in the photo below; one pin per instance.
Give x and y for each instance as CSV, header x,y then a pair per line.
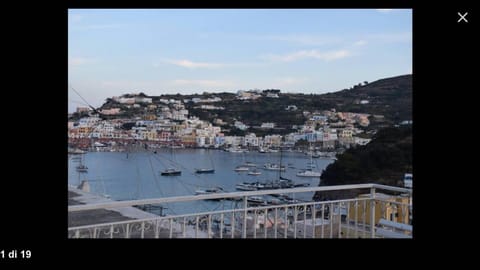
x,y
84,131
392,208
189,140
150,117
178,127
151,135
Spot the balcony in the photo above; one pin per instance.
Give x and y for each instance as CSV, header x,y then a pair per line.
x,y
373,214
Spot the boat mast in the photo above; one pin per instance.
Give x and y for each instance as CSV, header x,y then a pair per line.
x,y
280,165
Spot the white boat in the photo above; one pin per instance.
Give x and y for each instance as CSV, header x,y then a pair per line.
x,y
171,172
256,200
250,186
206,170
235,150
208,191
245,187
308,173
254,172
273,167
241,169
76,151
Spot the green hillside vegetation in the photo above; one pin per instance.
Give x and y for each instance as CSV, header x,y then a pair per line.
x,y
384,160
390,97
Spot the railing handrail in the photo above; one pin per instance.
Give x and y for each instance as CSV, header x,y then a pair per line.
x,y
117,204
216,212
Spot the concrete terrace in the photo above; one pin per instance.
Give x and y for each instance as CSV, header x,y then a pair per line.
x,y
120,214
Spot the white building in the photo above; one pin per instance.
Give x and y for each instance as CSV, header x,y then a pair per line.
x,y
240,125
88,121
251,140
200,140
272,95
112,111
124,100
143,100
267,125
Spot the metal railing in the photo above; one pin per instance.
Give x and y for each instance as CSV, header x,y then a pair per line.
x,y
347,218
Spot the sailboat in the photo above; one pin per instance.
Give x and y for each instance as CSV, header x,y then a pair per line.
x,y
171,171
203,170
206,170
309,171
245,167
82,167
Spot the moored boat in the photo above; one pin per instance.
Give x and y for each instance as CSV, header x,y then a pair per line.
x,y
308,173
204,170
171,172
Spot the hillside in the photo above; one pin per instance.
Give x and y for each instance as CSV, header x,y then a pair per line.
x,y
390,97
384,160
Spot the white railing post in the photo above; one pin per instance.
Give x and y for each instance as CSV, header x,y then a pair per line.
x,y
330,219
295,213
244,227
184,233
314,222
340,220
255,221
209,226
265,219
304,221
232,225
356,219
196,226
323,220
276,222
221,226
372,212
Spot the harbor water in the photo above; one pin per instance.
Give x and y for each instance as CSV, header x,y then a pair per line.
x,y
136,175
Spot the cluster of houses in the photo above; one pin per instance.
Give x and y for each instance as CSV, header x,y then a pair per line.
x,y
169,122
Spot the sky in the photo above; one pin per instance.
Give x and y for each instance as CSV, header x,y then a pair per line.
x,y
112,52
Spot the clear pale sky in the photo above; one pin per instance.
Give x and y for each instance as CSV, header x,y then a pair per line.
x,y
169,51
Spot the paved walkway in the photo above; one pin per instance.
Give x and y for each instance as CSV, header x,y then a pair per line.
x,y
76,196
98,216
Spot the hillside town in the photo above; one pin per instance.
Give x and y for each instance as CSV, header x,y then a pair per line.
x,y
167,122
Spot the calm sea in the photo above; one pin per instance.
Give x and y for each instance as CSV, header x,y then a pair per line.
x,y
136,175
